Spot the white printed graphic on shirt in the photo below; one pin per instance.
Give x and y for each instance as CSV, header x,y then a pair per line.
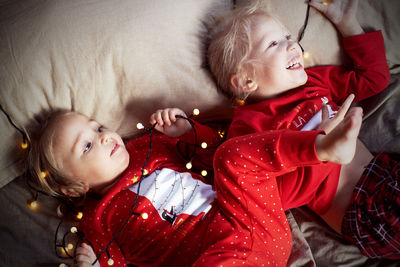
x,y
316,120
173,193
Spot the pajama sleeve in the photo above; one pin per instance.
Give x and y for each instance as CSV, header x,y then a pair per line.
x,y
277,151
369,73
247,192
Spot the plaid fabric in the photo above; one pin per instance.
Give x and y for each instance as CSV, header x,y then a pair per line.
x,y
372,221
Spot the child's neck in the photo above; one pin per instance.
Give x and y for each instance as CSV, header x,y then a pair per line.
x,y
102,189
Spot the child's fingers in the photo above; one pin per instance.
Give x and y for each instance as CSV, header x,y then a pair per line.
x,y
85,249
345,107
152,119
156,118
321,6
175,112
85,254
166,117
325,112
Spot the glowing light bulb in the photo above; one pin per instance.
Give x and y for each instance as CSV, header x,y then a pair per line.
x,y
189,165
306,55
79,215
145,216
24,145
110,261
145,172
139,126
70,246
74,229
204,145
326,3
240,102
62,265
43,174
33,205
204,172
196,112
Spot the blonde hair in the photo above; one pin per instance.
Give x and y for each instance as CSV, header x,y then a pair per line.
x,y
42,163
230,46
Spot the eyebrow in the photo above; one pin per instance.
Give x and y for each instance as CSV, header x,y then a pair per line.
x,y
77,140
79,137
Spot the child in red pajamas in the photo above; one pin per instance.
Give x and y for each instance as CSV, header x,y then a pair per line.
x,y
179,219
254,58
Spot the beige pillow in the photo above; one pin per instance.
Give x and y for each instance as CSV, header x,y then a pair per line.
x,y
321,39
116,61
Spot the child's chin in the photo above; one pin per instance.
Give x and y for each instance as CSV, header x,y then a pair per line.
x,y
303,79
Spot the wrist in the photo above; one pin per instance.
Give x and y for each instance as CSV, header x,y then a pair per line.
x,y
350,28
320,150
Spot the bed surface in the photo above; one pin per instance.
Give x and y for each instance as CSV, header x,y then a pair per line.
x,y
117,61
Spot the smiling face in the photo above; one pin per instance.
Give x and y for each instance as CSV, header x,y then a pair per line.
x,y
278,59
87,152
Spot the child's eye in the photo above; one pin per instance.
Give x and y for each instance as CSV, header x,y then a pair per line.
x,y
288,37
87,147
100,129
272,44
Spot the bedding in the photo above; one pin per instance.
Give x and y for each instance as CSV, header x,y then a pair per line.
x,y
117,61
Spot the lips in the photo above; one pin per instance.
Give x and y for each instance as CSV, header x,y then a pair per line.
x,y
294,63
115,148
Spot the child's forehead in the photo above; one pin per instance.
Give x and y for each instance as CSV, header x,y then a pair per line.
x,y
263,19
69,122
266,24
70,118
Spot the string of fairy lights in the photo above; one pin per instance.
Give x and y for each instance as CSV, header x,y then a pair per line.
x,y
66,208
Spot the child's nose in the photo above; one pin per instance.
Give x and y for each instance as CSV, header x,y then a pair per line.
x,y
104,139
291,45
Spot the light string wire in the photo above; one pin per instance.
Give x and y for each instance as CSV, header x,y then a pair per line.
x,y
303,29
23,134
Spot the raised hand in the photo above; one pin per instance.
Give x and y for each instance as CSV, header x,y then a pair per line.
x,y
168,123
328,124
342,13
339,144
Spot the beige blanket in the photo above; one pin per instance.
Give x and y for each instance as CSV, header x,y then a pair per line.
x,y
119,60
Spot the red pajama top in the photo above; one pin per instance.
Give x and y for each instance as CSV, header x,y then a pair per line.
x,y
330,84
237,220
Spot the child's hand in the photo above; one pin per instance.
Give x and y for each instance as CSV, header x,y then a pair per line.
x,y
342,13
85,256
168,123
328,124
339,144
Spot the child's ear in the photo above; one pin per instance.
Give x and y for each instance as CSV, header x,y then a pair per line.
x,y
249,86
77,190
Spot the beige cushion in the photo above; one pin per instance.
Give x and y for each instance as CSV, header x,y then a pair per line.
x,y
116,61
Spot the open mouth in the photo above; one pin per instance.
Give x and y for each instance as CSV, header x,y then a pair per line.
x,y
115,148
294,64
